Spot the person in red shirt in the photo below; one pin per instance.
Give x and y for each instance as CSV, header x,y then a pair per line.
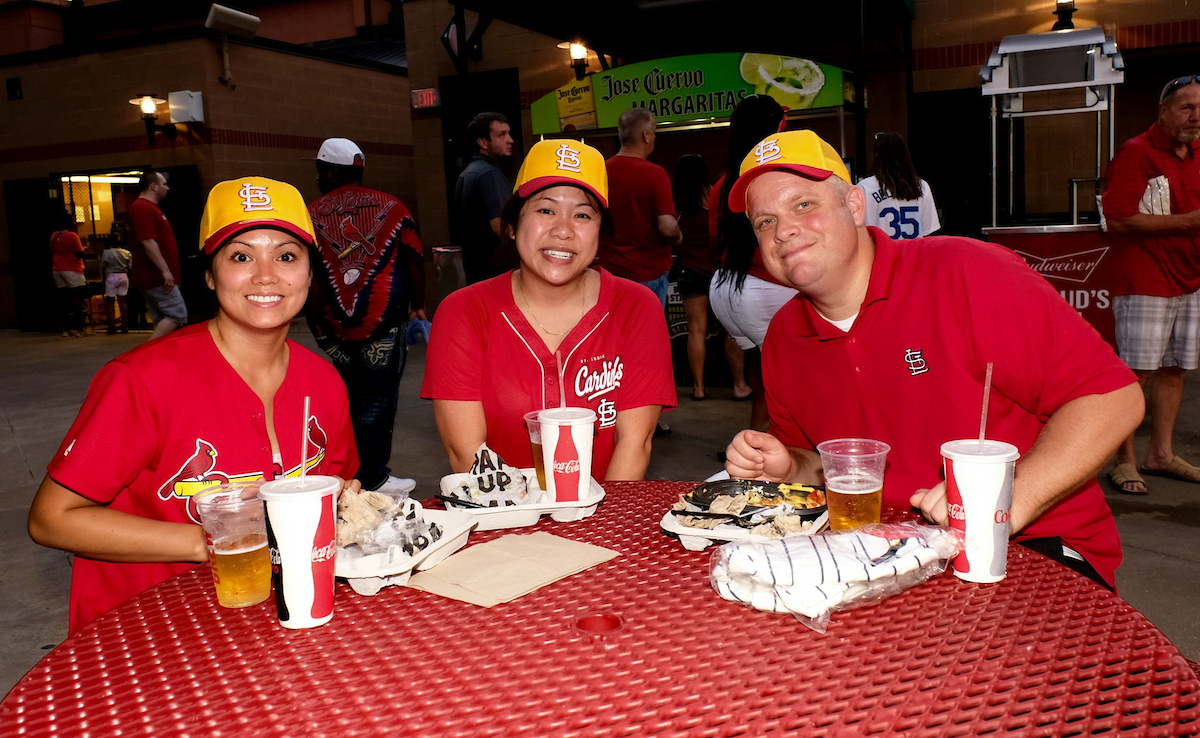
x,y
643,211
893,341
1152,207
156,273
498,347
369,281
66,264
215,402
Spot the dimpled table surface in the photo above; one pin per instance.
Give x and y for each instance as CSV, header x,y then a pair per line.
x,y
1044,652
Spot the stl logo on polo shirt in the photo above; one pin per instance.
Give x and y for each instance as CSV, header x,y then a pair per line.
x,y
568,158
255,198
767,151
916,362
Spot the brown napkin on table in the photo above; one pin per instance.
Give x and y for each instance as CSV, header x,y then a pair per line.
x,y
508,567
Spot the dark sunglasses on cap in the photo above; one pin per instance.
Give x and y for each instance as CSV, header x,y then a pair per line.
x,y
1176,83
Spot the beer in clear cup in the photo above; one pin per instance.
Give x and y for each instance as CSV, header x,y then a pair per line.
x,y
535,441
236,535
853,480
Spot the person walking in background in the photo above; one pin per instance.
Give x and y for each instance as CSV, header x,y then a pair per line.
x,y
156,273
898,201
743,293
66,264
645,228
1152,207
697,260
479,195
368,273
115,263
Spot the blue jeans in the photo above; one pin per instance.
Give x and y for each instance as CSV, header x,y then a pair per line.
x,y
371,371
659,287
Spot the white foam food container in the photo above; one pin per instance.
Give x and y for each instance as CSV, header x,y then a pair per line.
x,y
395,565
698,539
520,516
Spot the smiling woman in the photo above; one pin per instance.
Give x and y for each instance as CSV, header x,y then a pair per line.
x,y
553,332
195,408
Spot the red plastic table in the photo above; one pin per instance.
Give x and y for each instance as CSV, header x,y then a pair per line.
x,y
1045,652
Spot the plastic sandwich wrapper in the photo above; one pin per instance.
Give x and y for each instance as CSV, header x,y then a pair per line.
x,y
811,577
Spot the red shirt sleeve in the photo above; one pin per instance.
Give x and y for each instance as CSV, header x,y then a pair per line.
x,y
454,359
1125,182
97,460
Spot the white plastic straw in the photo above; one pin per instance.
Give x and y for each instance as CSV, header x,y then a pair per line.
x,y
304,440
987,396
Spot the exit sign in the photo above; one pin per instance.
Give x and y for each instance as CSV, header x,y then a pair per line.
x,y
426,97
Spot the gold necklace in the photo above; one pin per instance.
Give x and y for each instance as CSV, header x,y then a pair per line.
x,y
547,331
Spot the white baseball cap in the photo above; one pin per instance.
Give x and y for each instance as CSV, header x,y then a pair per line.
x,y
341,152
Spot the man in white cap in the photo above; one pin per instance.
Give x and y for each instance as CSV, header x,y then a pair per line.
x,y
368,282
892,342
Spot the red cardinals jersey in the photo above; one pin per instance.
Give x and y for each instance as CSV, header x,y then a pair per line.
x,y
910,371
482,349
360,281
172,417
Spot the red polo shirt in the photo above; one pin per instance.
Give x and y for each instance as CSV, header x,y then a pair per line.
x,y
1166,265
638,192
910,371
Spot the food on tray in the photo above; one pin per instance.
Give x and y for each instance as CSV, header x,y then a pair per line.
x,y
759,494
491,482
371,523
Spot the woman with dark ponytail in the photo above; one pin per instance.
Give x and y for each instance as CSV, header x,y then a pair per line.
x,y
898,201
743,294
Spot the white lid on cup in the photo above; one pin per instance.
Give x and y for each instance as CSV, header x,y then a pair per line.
x,y
987,452
566,416
291,488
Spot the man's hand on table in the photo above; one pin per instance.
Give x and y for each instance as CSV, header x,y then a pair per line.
x,y
932,504
755,455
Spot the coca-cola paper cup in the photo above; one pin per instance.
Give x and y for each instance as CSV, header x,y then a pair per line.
x,y
979,486
567,449
301,534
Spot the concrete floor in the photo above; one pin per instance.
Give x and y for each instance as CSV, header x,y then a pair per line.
x,y
43,379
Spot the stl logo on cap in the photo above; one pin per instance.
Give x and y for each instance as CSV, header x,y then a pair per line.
x,y
767,151
255,198
568,158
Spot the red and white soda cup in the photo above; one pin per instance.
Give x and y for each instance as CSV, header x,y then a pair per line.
x,y
979,486
301,534
567,434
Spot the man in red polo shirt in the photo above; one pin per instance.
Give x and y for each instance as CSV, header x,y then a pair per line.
x,y
155,273
891,341
643,209
1152,206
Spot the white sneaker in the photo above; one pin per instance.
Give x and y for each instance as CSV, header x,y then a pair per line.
x,y
397,486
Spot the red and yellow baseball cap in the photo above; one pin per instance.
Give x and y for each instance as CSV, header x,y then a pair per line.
x,y
802,152
561,161
239,205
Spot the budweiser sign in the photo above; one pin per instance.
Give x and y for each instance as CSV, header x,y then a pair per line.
x,y
1076,267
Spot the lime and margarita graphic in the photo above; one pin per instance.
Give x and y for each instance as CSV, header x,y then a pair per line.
x,y
793,82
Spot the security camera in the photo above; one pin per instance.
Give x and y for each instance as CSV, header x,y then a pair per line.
x,y
232,22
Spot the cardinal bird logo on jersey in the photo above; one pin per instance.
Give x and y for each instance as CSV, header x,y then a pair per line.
x,y
199,471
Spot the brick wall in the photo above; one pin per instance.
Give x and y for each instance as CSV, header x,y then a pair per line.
x,y
75,117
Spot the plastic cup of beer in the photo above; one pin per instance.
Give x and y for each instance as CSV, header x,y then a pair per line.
x,y
567,434
853,480
979,484
236,534
535,440
301,534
